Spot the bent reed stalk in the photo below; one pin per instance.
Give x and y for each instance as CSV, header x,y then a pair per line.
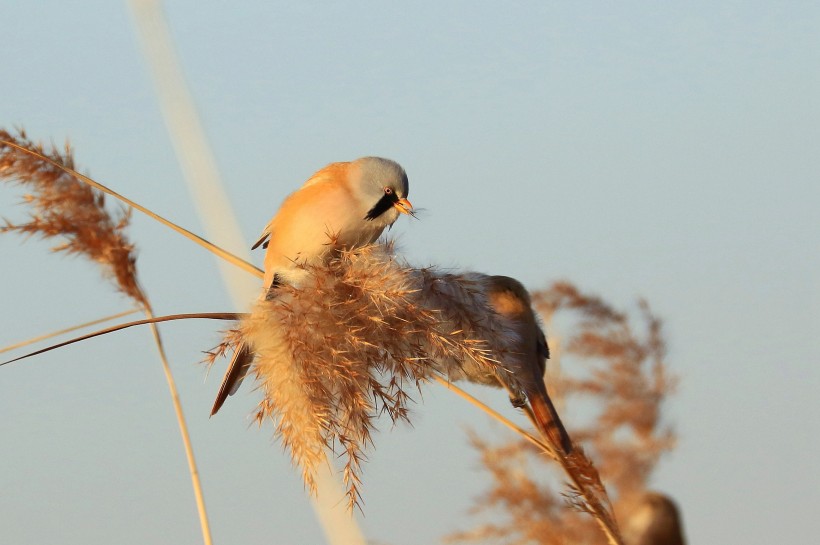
x,y
63,331
118,327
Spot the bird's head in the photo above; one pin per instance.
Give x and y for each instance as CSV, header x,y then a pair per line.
x,y
381,186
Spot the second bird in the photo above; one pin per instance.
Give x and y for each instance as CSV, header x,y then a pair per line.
x,y
510,299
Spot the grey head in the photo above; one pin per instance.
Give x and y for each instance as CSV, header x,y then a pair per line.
x,y
382,187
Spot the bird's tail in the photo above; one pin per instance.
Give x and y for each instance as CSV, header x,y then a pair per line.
x,y
548,422
243,357
240,363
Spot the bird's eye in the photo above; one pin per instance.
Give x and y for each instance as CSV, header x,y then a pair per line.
x,y
388,191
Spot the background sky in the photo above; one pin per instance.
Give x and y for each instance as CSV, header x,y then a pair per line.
x,y
637,149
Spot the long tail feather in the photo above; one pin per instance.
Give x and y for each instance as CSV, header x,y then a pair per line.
x,y
549,423
236,373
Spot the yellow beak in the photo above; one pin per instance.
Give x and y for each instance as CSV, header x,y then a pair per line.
x,y
404,206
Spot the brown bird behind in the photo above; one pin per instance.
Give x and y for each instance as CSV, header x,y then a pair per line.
x,y
512,301
655,521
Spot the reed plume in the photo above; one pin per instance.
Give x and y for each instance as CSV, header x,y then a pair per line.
x,y
625,377
63,206
357,339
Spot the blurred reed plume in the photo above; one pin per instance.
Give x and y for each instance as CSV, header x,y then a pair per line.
x,y
623,383
63,205
355,340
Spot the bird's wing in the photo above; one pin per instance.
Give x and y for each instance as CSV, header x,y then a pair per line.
x,y
263,238
329,172
542,346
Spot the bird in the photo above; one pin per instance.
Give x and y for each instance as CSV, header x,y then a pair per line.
x,y
342,206
655,520
508,298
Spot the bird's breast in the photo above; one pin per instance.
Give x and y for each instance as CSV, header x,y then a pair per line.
x,y
312,223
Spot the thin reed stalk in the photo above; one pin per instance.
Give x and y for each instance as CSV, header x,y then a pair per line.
x,y
183,430
497,416
126,325
57,333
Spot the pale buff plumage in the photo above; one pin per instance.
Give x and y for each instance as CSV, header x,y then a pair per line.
x,y
342,206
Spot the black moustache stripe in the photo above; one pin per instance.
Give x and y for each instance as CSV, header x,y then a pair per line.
x,y
384,204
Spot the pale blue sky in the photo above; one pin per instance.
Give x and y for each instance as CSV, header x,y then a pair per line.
x,y
636,149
